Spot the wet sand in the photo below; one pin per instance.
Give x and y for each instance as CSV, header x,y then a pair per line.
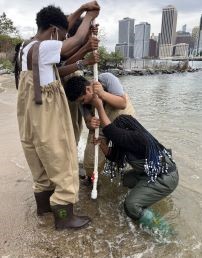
x,y
111,233
22,233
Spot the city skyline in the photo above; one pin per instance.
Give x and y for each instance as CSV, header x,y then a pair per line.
x,y
136,40
23,14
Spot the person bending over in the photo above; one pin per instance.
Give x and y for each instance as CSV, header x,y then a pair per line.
x,y
154,174
115,100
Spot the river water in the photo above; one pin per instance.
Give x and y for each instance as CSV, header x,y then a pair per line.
x,y
170,106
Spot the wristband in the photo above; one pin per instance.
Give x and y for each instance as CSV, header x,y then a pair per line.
x,y
80,65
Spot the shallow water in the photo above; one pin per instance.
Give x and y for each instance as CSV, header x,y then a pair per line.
x,y
170,106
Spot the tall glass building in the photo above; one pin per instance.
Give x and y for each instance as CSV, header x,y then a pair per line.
x,y
126,36
200,38
142,36
168,31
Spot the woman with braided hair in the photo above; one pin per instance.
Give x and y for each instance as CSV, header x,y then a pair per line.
x,y
153,175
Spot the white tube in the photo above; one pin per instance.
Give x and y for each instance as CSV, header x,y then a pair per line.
x,y
95,172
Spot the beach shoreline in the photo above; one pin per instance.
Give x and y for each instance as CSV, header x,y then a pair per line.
x,y
170,108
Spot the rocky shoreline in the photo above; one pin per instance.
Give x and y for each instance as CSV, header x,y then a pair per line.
x,y
134,72
151,71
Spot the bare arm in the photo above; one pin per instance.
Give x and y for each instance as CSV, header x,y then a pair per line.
x,y
73,17
103,144
76,56
91,45
92,122
132,140
71,68
115,101
97,103
78,39
67,69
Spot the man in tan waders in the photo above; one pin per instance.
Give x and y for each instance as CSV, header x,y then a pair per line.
x,y
44,119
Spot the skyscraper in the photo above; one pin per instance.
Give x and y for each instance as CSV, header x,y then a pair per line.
x,y
200,37
185,37
195,36
126,36
153,48
142,36
168,31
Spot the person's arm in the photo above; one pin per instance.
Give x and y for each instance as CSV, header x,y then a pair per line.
x,y
102,144
72,18
92,122
98,104
78,39
91,45
128,139
67,69
71,68
115,101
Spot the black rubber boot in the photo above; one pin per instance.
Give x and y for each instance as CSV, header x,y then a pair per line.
x,y
43,202
65,218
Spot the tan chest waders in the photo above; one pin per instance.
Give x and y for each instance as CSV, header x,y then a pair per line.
x,y
46,134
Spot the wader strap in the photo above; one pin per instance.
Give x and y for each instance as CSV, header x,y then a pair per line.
x,y
57,74
35,70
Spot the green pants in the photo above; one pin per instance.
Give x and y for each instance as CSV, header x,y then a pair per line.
x,y
144,194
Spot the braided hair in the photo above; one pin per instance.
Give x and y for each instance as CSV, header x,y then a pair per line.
x,y
156,154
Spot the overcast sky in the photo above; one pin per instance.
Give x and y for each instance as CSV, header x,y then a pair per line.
x,y
23,13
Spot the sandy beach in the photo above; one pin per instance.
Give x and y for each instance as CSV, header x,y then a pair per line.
x,y
22,233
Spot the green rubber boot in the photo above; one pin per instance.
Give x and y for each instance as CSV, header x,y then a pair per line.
x,y
155,223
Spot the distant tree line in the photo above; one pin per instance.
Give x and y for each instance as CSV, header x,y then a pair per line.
x,y
109,60
9,38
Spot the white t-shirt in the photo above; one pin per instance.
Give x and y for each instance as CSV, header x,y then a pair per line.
x,y
49,54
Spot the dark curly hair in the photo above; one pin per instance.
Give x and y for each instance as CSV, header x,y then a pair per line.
x,y
51,15
75,87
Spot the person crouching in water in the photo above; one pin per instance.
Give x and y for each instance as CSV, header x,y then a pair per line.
x,y
154,174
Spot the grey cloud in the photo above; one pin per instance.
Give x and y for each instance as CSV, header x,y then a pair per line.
x,y
182,6
111,12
